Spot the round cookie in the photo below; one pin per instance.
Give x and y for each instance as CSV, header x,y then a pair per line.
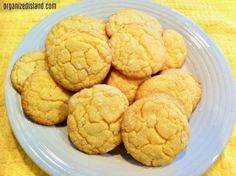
x,y
94,118
193,83
172,99
128,86
176,49
78,59
25,66
131,16
154,130
168,84
77,22
137,51
43,100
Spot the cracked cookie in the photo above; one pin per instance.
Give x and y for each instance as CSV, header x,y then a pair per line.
x,y
78,22
43,100
168,84
193,84
131,16
128,86
154,130
176,49
25,66
137,51
94,118
78,59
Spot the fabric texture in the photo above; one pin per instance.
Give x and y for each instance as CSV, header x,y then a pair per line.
x,y
216,17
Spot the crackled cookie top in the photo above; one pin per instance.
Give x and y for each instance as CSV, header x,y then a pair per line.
x,y
127,85
176,49
78,59
94,118
131,16
25,66
78,22
43,100
168,84
137,51
154,130
193,83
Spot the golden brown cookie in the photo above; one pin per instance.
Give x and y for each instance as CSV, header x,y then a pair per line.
x,y
137,51
78,22
154,130
168,84
43,100
166,96
131,16
78,59
127,85
94,118
176,49
25,66
192,82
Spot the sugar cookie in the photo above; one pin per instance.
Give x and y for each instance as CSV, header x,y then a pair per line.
x,y
78,59
25,66
168,84
176,49
131,16
137,51
94,118
154,130
193,83
43,100
127,85
78,22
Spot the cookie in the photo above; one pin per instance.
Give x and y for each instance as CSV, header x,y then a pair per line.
x,y
43,100
78,22
128,86
131,16
94,118
25,66
192,82
176,49
154,130
172,99
78,59
137,51
168,84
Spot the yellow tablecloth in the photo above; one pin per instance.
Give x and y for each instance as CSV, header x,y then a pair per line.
x,y
216,17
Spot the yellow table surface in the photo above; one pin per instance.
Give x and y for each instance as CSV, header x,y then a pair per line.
x,y
216,17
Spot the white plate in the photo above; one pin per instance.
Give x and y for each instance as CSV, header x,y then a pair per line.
x,y
211,123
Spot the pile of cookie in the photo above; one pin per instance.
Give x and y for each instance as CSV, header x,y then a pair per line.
x,y
114,82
